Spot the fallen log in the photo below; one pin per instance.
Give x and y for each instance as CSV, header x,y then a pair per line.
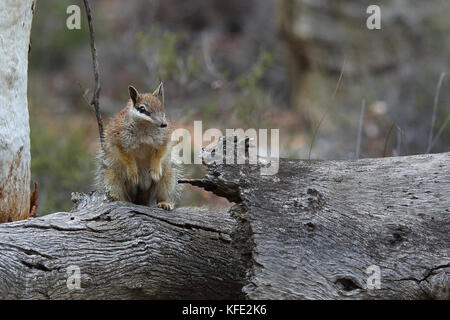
x,y
123,251
360,229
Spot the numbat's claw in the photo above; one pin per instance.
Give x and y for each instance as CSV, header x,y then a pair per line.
x,y
165,205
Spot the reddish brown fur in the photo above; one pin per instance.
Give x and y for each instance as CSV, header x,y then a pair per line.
x,y
136,160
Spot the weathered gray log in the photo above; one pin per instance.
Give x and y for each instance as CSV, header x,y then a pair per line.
x,y
309,232
123,251
320,228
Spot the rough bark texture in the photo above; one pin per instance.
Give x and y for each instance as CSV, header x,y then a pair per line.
x,y
123,251
15,28
317,226
309,232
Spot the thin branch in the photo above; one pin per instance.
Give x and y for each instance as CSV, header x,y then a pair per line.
x,y
95,97
210,67
387,139
326,111
441,130
84,92
433,117
401,140
405,142
313,139
398,147
340,79
361,125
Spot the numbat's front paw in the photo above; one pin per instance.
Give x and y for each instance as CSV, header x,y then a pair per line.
x,y
156,173
114,196
165,205
133,176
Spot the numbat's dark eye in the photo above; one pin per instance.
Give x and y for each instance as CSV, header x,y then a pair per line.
x,y
141,109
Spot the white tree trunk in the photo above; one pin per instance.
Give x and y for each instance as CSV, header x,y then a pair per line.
x,y
15,28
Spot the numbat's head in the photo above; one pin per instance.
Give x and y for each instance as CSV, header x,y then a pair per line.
x,y
148,108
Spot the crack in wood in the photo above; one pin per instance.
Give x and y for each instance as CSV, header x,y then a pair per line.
x,y
428,274
187,225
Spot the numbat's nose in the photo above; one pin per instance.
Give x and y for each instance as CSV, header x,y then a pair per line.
x,y
163,125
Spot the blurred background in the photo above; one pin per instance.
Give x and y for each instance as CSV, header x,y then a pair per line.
x,y
306,67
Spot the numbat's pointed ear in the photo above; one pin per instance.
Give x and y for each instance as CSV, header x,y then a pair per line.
x,y
133,93
159,92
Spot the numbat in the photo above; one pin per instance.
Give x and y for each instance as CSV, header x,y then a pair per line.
x,y
135,163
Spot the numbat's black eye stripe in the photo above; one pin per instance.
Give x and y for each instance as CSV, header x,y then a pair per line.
x,y
142,110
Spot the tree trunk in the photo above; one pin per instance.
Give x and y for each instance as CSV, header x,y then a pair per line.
x,y
15,28
315,230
